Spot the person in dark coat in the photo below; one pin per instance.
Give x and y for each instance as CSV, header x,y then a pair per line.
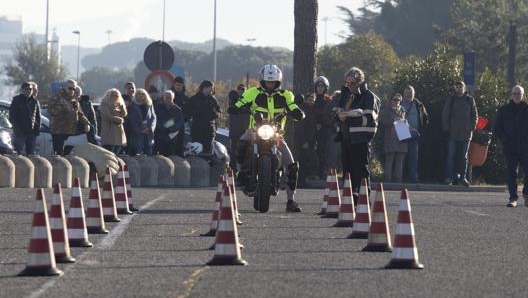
x,y
87,107
181,99
238,122
204,109
306,140
133,127
169,126
511,127
24,115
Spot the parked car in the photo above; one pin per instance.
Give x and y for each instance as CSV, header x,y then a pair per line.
x,y
44,145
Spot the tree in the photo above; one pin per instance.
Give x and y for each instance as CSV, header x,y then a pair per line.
x,y
367,51
305,45
483,26
409,26
30,63
98,80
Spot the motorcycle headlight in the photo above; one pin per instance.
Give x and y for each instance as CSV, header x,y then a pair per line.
x,y
265,132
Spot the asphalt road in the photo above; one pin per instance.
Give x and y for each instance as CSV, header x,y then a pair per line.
x,y
470,244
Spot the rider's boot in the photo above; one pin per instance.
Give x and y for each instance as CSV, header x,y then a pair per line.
x,y
291,186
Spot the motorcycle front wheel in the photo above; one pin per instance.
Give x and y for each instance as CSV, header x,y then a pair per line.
x,y
263,193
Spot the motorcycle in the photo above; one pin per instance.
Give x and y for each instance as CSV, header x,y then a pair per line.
x,y
265,162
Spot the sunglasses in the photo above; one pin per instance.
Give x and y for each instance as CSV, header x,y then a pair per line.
x,y
71,88
396,99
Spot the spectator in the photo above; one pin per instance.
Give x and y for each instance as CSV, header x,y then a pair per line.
x,y
24,115
323,128
418,119
511,128
133,125
65,116
306,140
394,149
333,150
358,115
459,119
238,122
204,110
181,99
113,113
169,126
148,122
89,111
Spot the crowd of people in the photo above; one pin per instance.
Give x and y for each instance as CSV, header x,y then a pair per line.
x,y
336,130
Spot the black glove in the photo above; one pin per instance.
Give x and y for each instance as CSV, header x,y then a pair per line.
x,y
297,114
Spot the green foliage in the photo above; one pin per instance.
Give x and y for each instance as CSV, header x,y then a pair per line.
x,y
98,80
30,63
367,51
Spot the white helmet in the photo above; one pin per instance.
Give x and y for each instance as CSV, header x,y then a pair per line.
x,y
322,79
193,148
270,73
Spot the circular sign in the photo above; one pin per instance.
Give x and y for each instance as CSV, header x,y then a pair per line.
x,y
157,82
158,55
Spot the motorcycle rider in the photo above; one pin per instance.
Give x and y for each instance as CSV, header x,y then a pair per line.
x,y
269,99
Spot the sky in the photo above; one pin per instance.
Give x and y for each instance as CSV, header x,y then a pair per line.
x,y
247,22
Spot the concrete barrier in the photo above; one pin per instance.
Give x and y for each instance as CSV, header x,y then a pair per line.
x,y
182,171
80,169
43,171
134,170
149,170
7,172
200,171
62,171
165,170
24,171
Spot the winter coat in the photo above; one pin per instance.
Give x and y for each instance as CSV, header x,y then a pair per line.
x,y
65,114
24,115
390,139
204,111
112,128
459,117
169,119
361,129
511,127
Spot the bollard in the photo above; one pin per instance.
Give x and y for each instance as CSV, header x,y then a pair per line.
x,y
24,171
43,171
165,170
182,171
62,170
7,174
200,171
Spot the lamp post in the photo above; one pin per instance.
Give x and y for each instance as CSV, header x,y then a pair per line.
x,y
108,32
78,50
214,44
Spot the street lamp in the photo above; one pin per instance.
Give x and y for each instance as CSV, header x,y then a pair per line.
x,y
78,50
214,44
108,32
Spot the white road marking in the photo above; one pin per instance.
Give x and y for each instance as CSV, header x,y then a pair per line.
x,y
106,243
475,212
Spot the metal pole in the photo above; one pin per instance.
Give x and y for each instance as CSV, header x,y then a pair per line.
x,y
47,41
78,51
214,44
163,33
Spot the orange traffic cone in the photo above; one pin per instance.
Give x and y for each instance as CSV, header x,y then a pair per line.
x,y
227,246
231,184
41,259
59,232
334,200
131,206
94,213
326,191
216,207
108,199
77,232
405,253
121,199
379,234
347,212
361,226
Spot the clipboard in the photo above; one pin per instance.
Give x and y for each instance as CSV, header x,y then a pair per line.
x,y
402,129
